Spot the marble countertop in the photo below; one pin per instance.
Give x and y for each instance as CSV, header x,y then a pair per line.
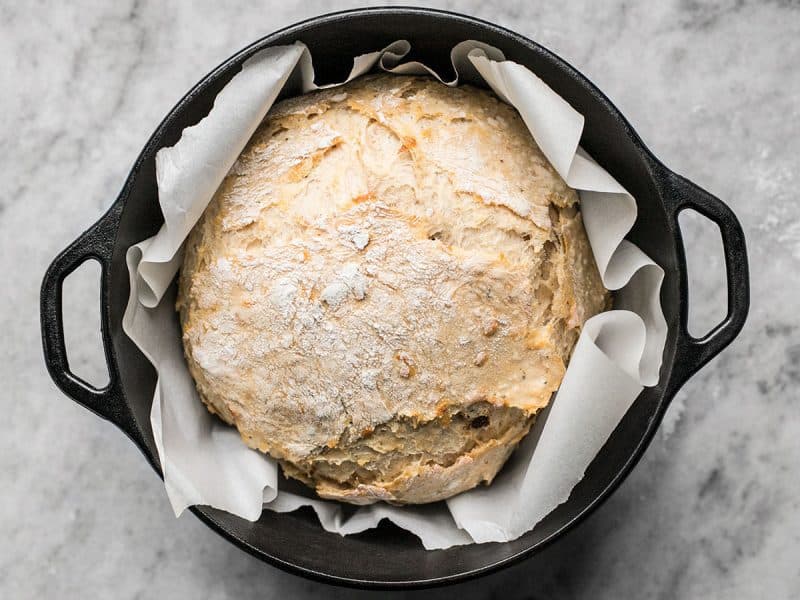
x,y
713,509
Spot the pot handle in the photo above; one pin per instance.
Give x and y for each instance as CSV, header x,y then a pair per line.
x,y
97,243
694,352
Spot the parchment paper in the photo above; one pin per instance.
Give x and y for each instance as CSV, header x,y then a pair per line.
x,y
619,351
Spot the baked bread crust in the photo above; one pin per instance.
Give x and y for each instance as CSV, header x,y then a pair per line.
x,y
386,289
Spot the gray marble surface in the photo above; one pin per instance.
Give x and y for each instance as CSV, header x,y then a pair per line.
x,y
711,511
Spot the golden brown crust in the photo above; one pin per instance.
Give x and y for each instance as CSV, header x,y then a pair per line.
x,y
387,262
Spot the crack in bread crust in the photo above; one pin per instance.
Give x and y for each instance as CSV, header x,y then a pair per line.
x,y
387,263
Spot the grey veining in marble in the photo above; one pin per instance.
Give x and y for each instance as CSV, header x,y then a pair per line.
x,y
713,509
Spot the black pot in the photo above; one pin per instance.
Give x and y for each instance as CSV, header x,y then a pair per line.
x,y
389,557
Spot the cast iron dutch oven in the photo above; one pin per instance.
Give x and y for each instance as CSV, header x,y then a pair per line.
x,y
389,557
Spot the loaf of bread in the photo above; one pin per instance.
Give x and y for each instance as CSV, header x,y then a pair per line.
x,y
386,289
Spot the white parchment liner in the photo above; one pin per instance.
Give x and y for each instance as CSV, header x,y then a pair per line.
x,y
619,351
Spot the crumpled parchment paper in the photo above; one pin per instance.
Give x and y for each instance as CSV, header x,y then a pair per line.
x,y
619,351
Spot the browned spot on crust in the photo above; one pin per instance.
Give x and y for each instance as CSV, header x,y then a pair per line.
x,y
490,327
369,196
408,143
441,407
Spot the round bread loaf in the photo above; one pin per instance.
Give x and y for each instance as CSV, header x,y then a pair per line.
x,y
386,289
